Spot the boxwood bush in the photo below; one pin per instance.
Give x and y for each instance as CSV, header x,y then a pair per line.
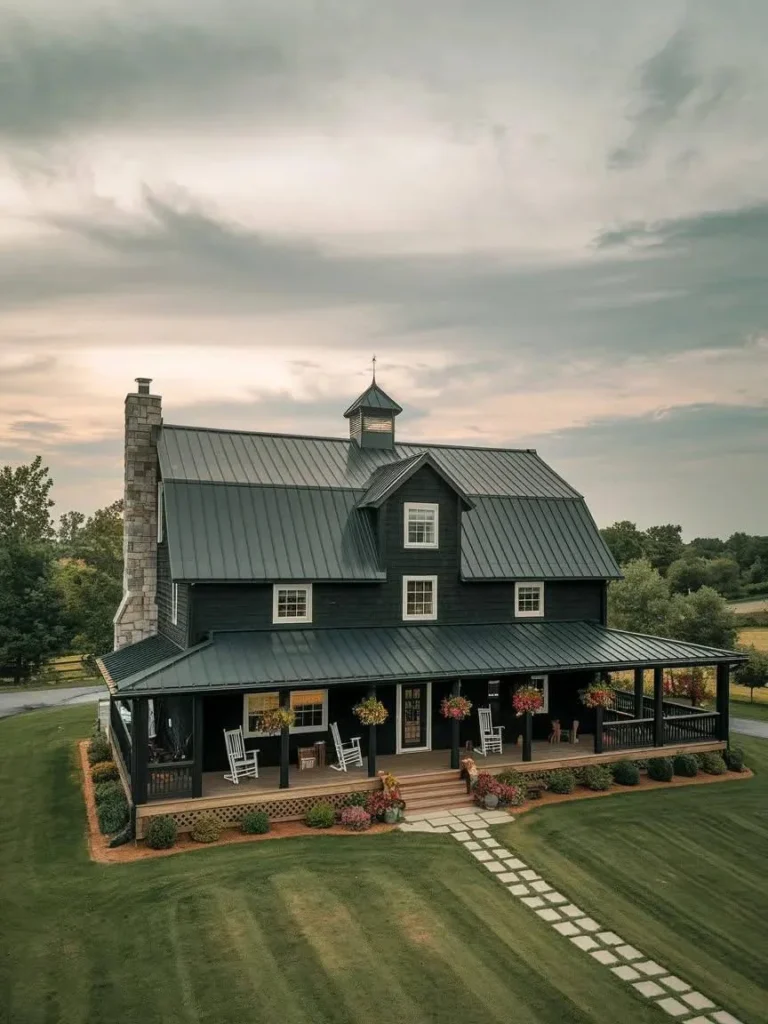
x,y
104,791
597,777
112,814
359,799
685,765
626,773
661,769
712,763
255,823
161,832
561,780
320,816
734,758
99,749
512,778
207,829
104,771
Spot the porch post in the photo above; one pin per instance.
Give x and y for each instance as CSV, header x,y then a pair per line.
x,y
599,730
285,702
455,727
639,676
527,736
722,700
658,707
139,749
372,740
197,745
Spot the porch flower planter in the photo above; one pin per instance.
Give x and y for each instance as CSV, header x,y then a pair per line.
x,y
274,720
598,695
371,711
527,699
455,708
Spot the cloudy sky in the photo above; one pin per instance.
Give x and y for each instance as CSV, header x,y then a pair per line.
x,y
548,220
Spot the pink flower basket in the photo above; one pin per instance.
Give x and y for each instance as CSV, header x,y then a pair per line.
x,y
527,698
456,708
597,696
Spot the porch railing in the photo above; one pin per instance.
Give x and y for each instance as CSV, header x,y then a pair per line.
x,y
121,734
624,703
627,734
703,725
169,780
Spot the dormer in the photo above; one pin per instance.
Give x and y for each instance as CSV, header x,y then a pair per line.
x,y
372,418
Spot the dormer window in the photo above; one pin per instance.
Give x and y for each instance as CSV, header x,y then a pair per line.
x,y
291,603
529,600
420,525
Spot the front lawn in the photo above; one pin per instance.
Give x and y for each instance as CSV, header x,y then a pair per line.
x,y
740,709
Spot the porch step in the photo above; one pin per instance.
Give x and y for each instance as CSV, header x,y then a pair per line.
x,y
434,791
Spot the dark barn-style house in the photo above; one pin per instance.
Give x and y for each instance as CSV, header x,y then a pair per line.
x,y
271,570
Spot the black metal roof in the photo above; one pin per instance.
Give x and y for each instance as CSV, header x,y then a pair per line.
x,y
386,480
374,398
139,657
329,657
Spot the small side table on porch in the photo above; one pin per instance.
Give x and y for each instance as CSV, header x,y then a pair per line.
x,y
320,753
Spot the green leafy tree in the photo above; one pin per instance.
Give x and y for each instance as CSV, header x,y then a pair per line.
x,y
743,548
97,540
707,547
624,541
639,602
663,545
25,504
753,673
758,571
31,627
687,574
89,599
702,618
724,576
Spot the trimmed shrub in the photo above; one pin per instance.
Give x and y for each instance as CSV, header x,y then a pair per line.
x,y
734,758
512,778
99,749
112,815
597,777
356,819
661,769
359,799
161,832
320,816
713,764
626,773
562,780
685,765
255,823
104,771
105,791
207,829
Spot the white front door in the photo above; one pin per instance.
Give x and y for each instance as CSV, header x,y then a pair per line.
x,y
414,717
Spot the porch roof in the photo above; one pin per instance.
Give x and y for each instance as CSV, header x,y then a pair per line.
x,y
264,659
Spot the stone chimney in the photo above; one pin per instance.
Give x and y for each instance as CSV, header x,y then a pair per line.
x,y
136,618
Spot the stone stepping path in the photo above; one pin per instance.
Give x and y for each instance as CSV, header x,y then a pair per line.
x,y
673,996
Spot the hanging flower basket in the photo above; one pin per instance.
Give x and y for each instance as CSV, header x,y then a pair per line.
x,y
598,695
274,720
371,711
457,708
527,699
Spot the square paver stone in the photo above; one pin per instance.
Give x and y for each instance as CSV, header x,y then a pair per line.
x,y
492,844
673,1007
651,968
533,902
481,833
585,942
443,820
566,928
473,822
588,925
610,939
512,862
548,914
571,911
555,897
440,828
649,989
676,984
494,866
416,826
698,1020
481,855
517,890
530,876
723,1017
697,1001
629,952
541,886
472,845
625,972
494,817
463,837
604,956
510,876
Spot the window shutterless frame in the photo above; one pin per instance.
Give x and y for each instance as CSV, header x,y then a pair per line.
x,y
542,683
529,600
421,523
291,602
311,707
419,598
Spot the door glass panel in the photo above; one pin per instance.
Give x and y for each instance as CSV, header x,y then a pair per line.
x,y
413,716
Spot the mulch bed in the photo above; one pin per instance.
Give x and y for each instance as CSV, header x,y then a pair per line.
x,y
99,849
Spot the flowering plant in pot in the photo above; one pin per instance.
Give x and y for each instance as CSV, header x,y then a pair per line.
x,y
371,711
386,804
527,699
597,695
456,708
274,720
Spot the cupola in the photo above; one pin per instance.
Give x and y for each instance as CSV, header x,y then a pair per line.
x,y
372,418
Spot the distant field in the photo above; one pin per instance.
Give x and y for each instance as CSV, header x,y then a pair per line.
x,y
755,604
66,671
757,637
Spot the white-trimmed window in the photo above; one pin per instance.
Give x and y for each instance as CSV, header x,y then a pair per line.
x,y
541,683
292,603
310,706
420,525
419,598
160,512
529,600
175,603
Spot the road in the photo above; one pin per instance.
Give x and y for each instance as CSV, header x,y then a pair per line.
x,y
750,727
30,700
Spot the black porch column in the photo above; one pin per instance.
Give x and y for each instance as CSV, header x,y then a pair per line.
x,y
658,707
599,714
139,749
372,740
197,745
527,736
639,676
722,700
285,734
455,727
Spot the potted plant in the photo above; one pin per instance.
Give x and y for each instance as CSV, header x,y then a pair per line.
x,y
527,700
597,695
455,708
386,804
371,711
274,720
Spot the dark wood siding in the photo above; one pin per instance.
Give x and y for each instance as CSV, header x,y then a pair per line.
x,y
178,632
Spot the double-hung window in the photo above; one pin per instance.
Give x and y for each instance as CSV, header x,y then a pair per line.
x,y
529,600
292,603
541,683
420,525
309,706
419,598
175,603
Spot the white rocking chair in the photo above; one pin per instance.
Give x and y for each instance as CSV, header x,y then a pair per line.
x,y
490,737
346,753
242,763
